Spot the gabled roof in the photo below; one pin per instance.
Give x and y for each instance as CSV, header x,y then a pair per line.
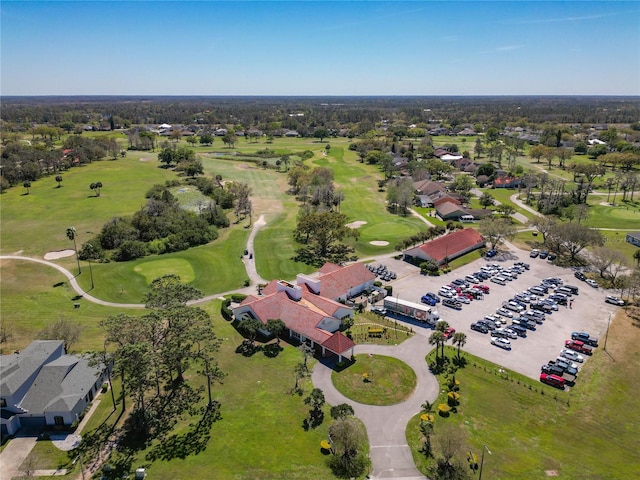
x,y
447,208
451,245
428,187
17,368
335,283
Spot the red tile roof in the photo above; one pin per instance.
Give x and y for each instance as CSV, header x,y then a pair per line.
x,y
338,343
337,282
451,245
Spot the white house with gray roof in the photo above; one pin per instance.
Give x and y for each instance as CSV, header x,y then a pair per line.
x,y
43,386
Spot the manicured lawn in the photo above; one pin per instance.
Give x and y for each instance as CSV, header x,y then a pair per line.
x,y
587,432
260,433
393,332
30,300
375,380
606,216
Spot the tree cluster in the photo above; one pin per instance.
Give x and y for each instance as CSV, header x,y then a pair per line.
x,y
151,354
161,226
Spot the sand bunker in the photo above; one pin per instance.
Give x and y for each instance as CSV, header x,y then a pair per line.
x,y
379,243
356,224
59,254
145,159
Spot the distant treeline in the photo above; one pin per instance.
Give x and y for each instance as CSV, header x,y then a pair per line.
x,y
304,114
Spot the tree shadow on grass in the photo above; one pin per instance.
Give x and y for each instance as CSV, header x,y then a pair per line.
x,y
192,442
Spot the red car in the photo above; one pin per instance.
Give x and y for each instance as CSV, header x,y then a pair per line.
x,y
578,346
484,288
553,380
448,333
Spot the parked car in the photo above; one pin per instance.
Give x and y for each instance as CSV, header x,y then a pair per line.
x,y
584,337
580,276
452,303
504,312
448,333
614,300
552,369
526,266
592,283
543,254
553,380
480,327
462,298
498,280
551,257
429,300
519,330
483,288
578,346
446,293
571,355
434,296
534,253
379,310
491,253
505,332
501,342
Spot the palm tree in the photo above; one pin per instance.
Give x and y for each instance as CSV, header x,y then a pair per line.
x,y
427,407
437,339
459,339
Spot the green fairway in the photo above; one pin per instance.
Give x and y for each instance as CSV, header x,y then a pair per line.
x,y
375,380
621,216
157,267
33,296
532,428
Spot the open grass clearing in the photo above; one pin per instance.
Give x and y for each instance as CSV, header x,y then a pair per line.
x,y
621,216
375,380
32,296
587,432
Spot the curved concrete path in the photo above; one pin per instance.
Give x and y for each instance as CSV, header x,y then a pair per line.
x,y
389,452
386,425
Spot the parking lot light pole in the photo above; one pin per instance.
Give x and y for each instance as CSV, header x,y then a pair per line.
x,y
484,447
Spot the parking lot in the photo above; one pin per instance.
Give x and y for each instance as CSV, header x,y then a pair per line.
x,y
589,312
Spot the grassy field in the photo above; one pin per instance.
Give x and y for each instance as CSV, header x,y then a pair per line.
x,y
375,380
590,431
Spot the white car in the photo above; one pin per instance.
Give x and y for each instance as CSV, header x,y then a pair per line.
x,y
571,355
614,300
501,342
498,280
591,282
446,293
504,312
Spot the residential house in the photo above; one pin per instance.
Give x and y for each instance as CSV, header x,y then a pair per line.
x,y
449,210
42,386
447,247
633,238
507,182
312,309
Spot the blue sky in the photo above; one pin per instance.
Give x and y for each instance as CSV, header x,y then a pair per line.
x,y
320,48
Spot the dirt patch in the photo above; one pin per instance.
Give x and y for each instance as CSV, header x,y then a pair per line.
x,y
379,243
59,254
145,159
356,224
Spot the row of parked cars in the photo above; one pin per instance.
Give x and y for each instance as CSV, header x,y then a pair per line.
x,y
458,292
525,311
542,254
563,371
381,271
